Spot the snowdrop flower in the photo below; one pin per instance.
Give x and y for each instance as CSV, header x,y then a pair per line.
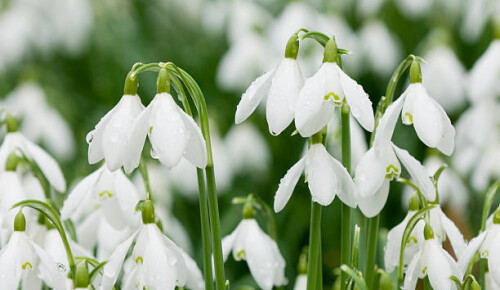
x,y
414,9
483,78
475,18
173,135
431,123
325,176
157,262
445,78
300,282
110,137
487,244
380,165
281,86
40,122
327,89
248,242
395,236
444,227
379,47
102,208
22,260
16,141
431,261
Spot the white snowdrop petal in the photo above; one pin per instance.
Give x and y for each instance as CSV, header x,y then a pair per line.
x,y
137,138
228,243
261,257
494,260
10,263
168,134
195,279
253,96
374,204
393,246
358,100
347,191
95,137
417,172
49,269
447,144
410,94
413,272
370,174
78,194
287,184
283,94
47,165
321,178
160,271
439,269
113,267
387,123
196,151
456,239
427,119
469,252
312,113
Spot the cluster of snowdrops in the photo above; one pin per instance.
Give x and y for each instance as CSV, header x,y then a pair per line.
x,y
57,246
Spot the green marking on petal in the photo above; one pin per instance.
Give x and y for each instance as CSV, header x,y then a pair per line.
x,y
336,99
105,194
424,270
139,259
150,129
241,255
411,241
408,118
485,254
26,265
391,172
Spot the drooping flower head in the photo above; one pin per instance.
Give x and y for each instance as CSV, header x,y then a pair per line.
x,y
281,86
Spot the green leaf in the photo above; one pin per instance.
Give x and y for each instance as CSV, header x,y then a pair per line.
x,y
96,270
356,277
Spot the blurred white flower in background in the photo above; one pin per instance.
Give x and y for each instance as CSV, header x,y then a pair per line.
x,y
378,47
39,121
483,82
414,9
475,17
36,25
445,78
359,145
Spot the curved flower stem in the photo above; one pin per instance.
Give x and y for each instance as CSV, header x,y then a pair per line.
x,y
313,266
201,106
204,215
143,169
345,244
490,196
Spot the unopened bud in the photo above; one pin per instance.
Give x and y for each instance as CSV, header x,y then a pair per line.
x,y
20,222
82,278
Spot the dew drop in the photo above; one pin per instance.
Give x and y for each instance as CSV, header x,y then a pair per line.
x,y
172,260
61,267
90,137
153,153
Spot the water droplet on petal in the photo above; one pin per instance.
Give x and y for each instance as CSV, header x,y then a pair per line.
x,y
172,260
153,153
90,137
61,267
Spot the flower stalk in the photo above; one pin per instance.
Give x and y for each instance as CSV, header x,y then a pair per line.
x,y
345,244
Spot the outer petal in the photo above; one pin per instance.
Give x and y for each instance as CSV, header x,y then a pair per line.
x,y
312,112
370,174
47,164
393,247
417,172
195,279
95,137
78,194
447,144
387,123
358,100
412,274
116,133
10,264
494,260
287,184
49,269
372,205
347,191
196,151
440,266
137,138
321,176
263,258
253,96
284,91
228,243
160,265
456,239
427,119
469,252
113,266
168,134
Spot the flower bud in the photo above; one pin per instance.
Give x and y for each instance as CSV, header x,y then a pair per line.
x,y
475,285
415,72
148,212
386,282
82,279
428,232
20,222
414,202
292,47
131,84
331,51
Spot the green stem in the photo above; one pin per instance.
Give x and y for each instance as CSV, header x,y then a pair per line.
x,y
427,284
490,196
204,212
372,231
143,169
345,244
314,247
